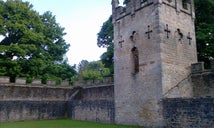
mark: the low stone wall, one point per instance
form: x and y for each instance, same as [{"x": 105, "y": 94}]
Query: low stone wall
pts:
[
  {"x": 189, "y": 113},
  {"x": 93, "y": 104},
  {"x": 96, "y": 93},
  {"x": 97, "y": 111},
  {"x": 203, "y": 84},
  {"x": 34, "y": 103},
  {"x": 32, "y": 110},
  {"x": 10, "y": 92}
]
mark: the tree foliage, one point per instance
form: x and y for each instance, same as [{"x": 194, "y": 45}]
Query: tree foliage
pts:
[
  {"x": 105, "y": 39},
  {"x": 31, "y": 45},
  {"x": 204, "y": 10},
  {"x": 93, "y": 70},
  {"x": 105, "y": 36}
]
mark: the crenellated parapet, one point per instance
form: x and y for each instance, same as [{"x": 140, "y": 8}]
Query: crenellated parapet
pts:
[{"x": 130, "y": 7}]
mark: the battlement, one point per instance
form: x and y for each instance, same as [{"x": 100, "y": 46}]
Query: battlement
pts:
[
  {"x": 132, "y": 6},
  {"x": 36, "y": 82}
]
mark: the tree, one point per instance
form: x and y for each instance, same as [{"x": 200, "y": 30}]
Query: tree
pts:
[
  {"x": 93, "y": 70},
  {"x": 31, "y": 43},
  {"x": 105, "y": 36},
  {"x": 105, "y": 39},
  {"x": 204, "y": 10},
  {"x": 55, "y": 45}
]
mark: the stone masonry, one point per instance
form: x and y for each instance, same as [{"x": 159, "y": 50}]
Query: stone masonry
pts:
[
  {"x": 154, "y": 48},
  {"x": 155, "y": 52},
  {"x": 22, "y": 102},
  {"x": 189, "y": 112}
]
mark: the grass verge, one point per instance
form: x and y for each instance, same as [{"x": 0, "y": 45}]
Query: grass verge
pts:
[{"x": 62, "y": 123}]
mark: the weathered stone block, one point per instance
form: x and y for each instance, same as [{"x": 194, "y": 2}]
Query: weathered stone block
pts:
[
  {"x": 36, "y": 82},
  {"x": 51, "y": 82},
  {"x": 4, "y": 80},
  {"x": 77, "y": 83},
  {"x": 197, "y": 67},
  {"x": 89, "y": 82},
  {"x": 65, "y": 83},
  {"x": 21, "y": 81},
  {"x": 107, "y": 80},
  {"x": 97, "y": 81}
]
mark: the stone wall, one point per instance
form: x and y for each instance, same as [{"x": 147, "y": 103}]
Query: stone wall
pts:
[
  {"x": 203, "y": 84},
  {"x": 177, "y": 52},
  {"x": 97, "y": 111},
  {"x": 154, "y": 47},
  {"x": 32, "y": 110},
  {"x": 35, "y": 93},
  {"x": 21, "y": 102},
  {"x": 36, "y": 102},
  {"x": 96, "y": 103},
  {"x": 189, "y": 113},
  {"x": 132, "y": 103},
  {"x": 93, "y": 104},
  {"x": 96, "y": 93}
]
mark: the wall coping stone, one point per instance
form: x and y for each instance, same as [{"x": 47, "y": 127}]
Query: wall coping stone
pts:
[
  {"x": 4, "y": 80},
  {"x": 51, "y": 82},
  {"x": 65, "y": 83},
  {"x": 197, "y": 67},
  {"x": 36, "y": 82},
  {"x": 21, "y": 81}
]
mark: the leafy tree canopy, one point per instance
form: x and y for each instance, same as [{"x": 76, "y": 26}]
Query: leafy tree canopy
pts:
[
  {"x": 204, "y": 10},
  {"x": 93, "y": 70},
  {"x": 105, "y": 36},
  {"x": 31, "y": 45},
  {"x": 105, "y": 39}
]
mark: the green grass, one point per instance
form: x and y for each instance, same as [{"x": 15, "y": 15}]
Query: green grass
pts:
[{"x": 63, "y": 123}]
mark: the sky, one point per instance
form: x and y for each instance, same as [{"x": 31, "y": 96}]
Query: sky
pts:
[{"x": 82, "y": 20}]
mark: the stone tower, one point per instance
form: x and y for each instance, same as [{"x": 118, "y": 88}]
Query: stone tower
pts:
[{"x": 154, "y": 49}]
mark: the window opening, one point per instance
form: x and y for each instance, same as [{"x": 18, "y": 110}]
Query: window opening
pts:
[{"x": 135, "y": 56}]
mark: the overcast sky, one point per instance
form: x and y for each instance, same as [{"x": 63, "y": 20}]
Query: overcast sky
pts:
[{"x": 82, "y": 20}]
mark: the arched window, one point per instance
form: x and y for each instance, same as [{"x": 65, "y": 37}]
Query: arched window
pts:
[
  {"x": 135, "y": 58},
  {"x": 184, "y": 4}
]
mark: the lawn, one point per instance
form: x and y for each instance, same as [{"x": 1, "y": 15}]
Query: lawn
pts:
[{"x": 63, "y": 123}]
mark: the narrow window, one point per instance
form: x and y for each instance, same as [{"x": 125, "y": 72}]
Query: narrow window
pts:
[
  {"x": 185, "y": 4},
  {"x": 135, "y": 56}
]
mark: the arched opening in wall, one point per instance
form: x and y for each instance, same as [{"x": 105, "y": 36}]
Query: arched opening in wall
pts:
[
  {"x": 135, "y": 59},
  {"x": 185, "y": 4}
]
